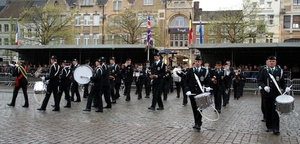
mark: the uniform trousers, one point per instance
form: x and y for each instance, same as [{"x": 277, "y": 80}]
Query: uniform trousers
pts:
[
  {"x": 95, "y": 93},
  {"x": 117, "y": 87},
  {"x": 75, "y": 90},
  {"x": 127, "y": 90},
  {"x": 50, "y": 89},
  {"x": 105, "y": 90},
  {"x": 157, "y": 91},
  {"x": 272, "y": 118},
  {"x": 112, "y": 90},
  {"x": 196, "y": 113},
  {"x": 15, "y": 94},
  {"x": 218, "y": 98},
  {"x": 66, "y": 90}
]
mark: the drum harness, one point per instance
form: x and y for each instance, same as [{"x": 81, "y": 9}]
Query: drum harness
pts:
[{"x": 199, "y": 109}]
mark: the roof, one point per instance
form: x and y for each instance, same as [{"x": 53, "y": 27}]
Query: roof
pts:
[
  {"x": 215, "y": 15},
  {"x": 1, "y": 8},
  {"x": 71, "y": 2},
  {"x": 102, "y": 2},
  {"x": 3, "y": 2},
  {"x": 14, "y": 9},
  {"x": 105, "y": 46},
  {"x": 40, "y": 2},
  {"x": 247, "y": 45}
]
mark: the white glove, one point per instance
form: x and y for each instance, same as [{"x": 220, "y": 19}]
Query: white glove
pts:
[
  {"x": 16, "y": 65},
  {"x": 267, "y": 89},
  {"x": 188, "y": 93},
  {"x": 287, "y": 89},
  {"x": 207, "y": 89},
  {"x": 43, "y": 78},
  {"x": 259, "y": 88}
]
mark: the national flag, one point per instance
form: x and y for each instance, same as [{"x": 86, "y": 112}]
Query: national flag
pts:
[
  {"x": 17, "y": 34},
  {"x": 200, "y": 31},
  {"x": 190, "y": 38},
  {"x": 149, "y": 35}
]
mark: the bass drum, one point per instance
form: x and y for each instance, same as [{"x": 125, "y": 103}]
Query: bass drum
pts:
[{"x": 82, "y": 74}]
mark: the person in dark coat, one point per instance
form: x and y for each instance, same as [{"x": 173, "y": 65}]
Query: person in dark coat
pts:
[
  {"x": 65, "y": 82},
  {"x": 238, "y": 80},
  {"x": 167, "y": 82},
  {"x": 114, "y": 73},
  {"x": 147, "y": 69},
  {"x": 140, "y": 77},
  {"x": 74, "y": 88},
  {"x": 52, "y": 85},
  {"x": 268, "y": 78},
  {"x": 86, "y": 86},
  {"x": 105, "y": 83},
  {"x": 19, "y": 71},
  {"x": 127, "y": 71}
]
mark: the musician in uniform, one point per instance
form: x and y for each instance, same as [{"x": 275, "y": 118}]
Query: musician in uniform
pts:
[
  {"x": 238, "y": 80},
  {"x": 74, "y": 88},
  {"x": 182, "y": 74},
  {"x": 52, "y": 85},
  {"x": 105, "y": 83},
  {"x": 195, "y": 76},
  {"x": 65, "y": 83},
  {"x": 140, "y": 76},
  {"x": 127, "y": 72},
  {"x": 157, "y": 73},
  {"x": 226, "y": 96},
  {"x": 262, "y": 91},
  {"x": 166, "y": 82},
  {"x": 114, "y": 72},
  {"x": 147, "y": 69},
  {"x": 219, "y": 84},
  {"x": 96, "y": 80},
  {"x": 86, "y": 86},
  {"x": 271, "y": 80},
  {"x": 21, "y": 82}
]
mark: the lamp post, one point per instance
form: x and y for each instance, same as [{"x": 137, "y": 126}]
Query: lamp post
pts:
[{"x": 103, "y": 18}]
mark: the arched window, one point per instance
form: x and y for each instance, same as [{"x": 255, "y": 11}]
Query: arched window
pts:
[{"x": 179, "y": 21}]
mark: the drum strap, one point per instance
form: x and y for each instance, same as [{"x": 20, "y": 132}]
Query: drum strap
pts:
[
  {"x": 275, "y": 82},
  {"x": 197, "y": 79}
]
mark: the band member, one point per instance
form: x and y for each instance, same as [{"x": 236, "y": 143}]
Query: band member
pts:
[
  {"x": 271, "y": 80},
  {"x": 74, "y": 88},
  {"x": 192, "y": 86},
  {"x": 118, "y": 81},
  {"x": 21, "y": 82},
  {"x": 219, "y": 84},
  {"x": 114, "y": 72},
  {"x": 157, "y": 73},
  {"x": 147, "y": 69},
  {"x": 65, "y": 83},
  {"x": 182, "y": 74},
  {"x": 226, "y": 96},
  {"x": 166, "y": 82},
  {"x": 262, "y": 91},
  {"x": 96, "y": 80},
  {"x": 177, "y": 80},
  {"x": 127, "y": 72},
  {"x": 105, "y": 82},
  {"x": 52, "y": 85},
  {"x": 86, "y": 86},
  {"x": 238, "y": 80},
  {"x": 140, "y": 76}
]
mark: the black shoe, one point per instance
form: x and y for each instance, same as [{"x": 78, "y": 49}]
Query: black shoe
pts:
[
  {"x": 263, "y": 120},
  {"x": 160, "y": 108},
  {"x": 25, "y": 106},
  {"x": 11, "y": 105},
  {"x": 151, "y": 108},
  {"x": 198, "y": 127},
  {"x": 53, "y": 105},
  {"x": 276, "y": 132},
  {"x": 269, "y": 130},
  {"x": 139, "y": 98},
  {"x": 114, "y": 101},
  {"x": 107, "y": 107},
  {"x": 147, "y": 96},
  {"x": 41, "y": 109},
  {"x": 178, "y": 96},
  {"x": 165, "y": 99},
  {"x": 55, "y": 110},
  {"x": 184, "y": 104},
  {"x": 77, "y": 101},
  {"x": 224, "y": 105},
  {"x": 219, "y": 111},
  {"x": 87, "y": 110},
  {"x": 67, "y": 106},
  {"x": 84, "y": 96},
  {"x": 127, "y": 99},
  {"x": 99, "y": 111}
]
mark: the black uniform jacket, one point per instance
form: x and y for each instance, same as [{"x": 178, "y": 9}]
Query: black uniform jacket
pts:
[
  {"x": 114, "y": 70},
  {"x": 97, "y": 77},
  {"x": 159, "y": 70},
  {"x": 128, "y": 73},
  {"x": 65, "y": 76},
  {"x": 53, "y": 75},
  {"x": 223, "y": 82},
  {"x": 191, "y": 83},
  {"x": 17, "y": 72},
  {"x": 141, "y": 78}
]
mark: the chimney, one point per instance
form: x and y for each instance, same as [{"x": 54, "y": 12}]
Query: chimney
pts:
[{"x": 196, "y": 5}]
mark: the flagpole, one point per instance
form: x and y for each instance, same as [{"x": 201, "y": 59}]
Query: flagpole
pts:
[{"x": 148, "y": 47}]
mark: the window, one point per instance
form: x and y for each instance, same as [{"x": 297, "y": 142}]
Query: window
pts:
[
  {"x": 296, "y": 1},
  {"x": 109, "y": 39},
  {"x": 36, "y": 32},
  {"x": 269, "y": 38},
  {"x": 86, "y": 39},
  {"x": 270, "y": 19},
  {"x": 269, "y": 4},
  {"x": 21, "y": 33},
  {"x": 261, "y": 18},
  {"x": 61, "y": 41},
  {"x": 198, "y": 29},
  {"x": 143, "y": 20},
  {"x": 117, "y": 22},
  {"x": 29, "y": 33},
  {"x": 95, "y": 39},
  {"x": 198, "y": 40},
  {"x": 6, "y": 41},
  {"x": 176, "y": 4},
  {"x": 212, "y": 30},
  {"x": 6, "y": 27},
  {"x": 211, "y": 40},
  {"x": 77, "y": 20},
  {"x": 161, "y": 15},
  {"x": 77, "y": 39},
  {"x": 252, "y": 40},
  {"x": 179, "y": 21},
  {"x": 117, "y": 39},
  {"x": 86, "y": 20},
  {"x": 87, "y": 2},
  {"x": 63, "y": 19},
  {"x": 225, "y": 40},
  {"x": 224, "y": 30},
  {"x": 178, "y": 40},
  {"x": 287, "y": 21},
  {"x": 182, "y": 4},
  {"x": 117, "y": 5},
  {"x": 110, "y": 22},
  {"x": 148, "y": 2},
  {"x": 96, "y": 20},
  {"x": 0, "y": 41},
  {"x": 252, "y": 19},
  {"x": 261, "y": 2},
  {"x": 296, "y": 21}
]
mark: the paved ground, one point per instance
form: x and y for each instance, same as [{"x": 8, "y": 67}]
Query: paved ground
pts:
[{"x": 131, "y": 122}]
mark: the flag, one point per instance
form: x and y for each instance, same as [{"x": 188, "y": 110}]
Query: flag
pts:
[
  {"x": 17, "y": 34},
  {"x": 149, "y": 35},
  {"x": 200, "y": 31},
  {"x": 190, "y": 39}
]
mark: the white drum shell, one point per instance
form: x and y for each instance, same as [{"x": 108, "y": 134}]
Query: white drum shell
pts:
[
  {"x": 285, "y": 104},
  {"x": 82, "y": 74},
  {"x": 39, "y": 87},
  {"x": 203, "y": 100}
]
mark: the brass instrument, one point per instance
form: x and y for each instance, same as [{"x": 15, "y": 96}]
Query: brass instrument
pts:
[
  {"x": 111, "y": 77},
  {"x": 214, "y": 80},
  {"x": 237, "y": 78}
]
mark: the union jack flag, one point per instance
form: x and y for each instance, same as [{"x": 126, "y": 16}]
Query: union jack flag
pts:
[{"x": 149, "y": 35}]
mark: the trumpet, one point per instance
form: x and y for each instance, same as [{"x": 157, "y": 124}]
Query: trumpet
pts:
[{"x": 214, "y": 80}]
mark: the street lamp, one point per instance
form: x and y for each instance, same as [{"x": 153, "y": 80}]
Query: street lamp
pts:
[{"x": 103, "y": 18}]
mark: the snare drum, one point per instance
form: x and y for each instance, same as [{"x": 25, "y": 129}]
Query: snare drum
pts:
[
  {"x": 203, "y": 100},
  {"x": 39, "y": 87},
  {"x": 285, "y": 104}
]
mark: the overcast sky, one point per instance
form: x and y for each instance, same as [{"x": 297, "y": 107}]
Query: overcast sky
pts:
[{"x": 211, "y": 5}]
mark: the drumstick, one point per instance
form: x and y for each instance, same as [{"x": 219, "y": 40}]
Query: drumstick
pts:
[
  {"x": 289, "y": 87},
  {"x": 84, "y": 77}
]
